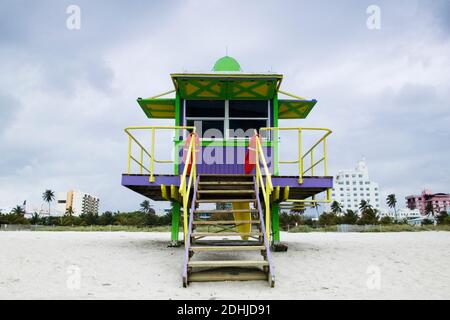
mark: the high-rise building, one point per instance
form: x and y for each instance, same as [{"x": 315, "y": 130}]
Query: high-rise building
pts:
[
  {"x": 352, "y": 186},
  {"x": 439, "y": 201},
  {"x": 80, "y": 202}
]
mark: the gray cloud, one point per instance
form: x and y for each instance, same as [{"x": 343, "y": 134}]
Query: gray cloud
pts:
[{"x": 384, "y": 93}]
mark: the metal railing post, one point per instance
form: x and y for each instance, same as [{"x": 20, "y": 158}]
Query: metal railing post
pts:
[
  {"x": 325, "y": 164},
  {"x": 300, "y": 157},
  {"x": 141, "y": 160},
  {"x": 152, "y": 158},
  {"x": 267, "y": 202},
  {"x": 129, "y": 154}
]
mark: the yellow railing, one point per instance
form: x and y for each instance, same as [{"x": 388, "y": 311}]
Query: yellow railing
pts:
[
  {"x": 266, "y": 187},
  {"x": 150, "y": 166},
  {"x": 185, "y": 189},
  {"x": 310, "y": 153}
]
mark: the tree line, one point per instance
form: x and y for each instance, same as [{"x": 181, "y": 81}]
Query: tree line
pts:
[
  {"x": 144, "y": 217},
  {"x": 369, "y": 215}
]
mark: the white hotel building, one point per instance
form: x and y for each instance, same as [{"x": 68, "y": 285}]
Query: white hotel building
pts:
[
  {"x": 80, "y": 202},
  {"x": 352, "y": 186}
]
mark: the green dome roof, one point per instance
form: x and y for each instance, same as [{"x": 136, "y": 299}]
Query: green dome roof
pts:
[{"x": 227, "y": 64}]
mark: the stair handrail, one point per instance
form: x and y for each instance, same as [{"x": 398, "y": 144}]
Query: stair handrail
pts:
[
  {"x": 268, "y": 186},
  {"x": 188, "y": 241},
  {"x": 265, "y": 235},
  {"x": 185, "y": 189}
]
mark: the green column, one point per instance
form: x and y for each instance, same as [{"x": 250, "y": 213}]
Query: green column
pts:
[
  {"x": 276, "y": 221},
  {"x": 275, "y": 135},
  {"x": 175, "y": 221},
  {"x": 177, "y": 136}
]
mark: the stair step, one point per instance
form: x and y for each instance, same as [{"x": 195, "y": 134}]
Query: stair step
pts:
[
  {"x": 207, "y": 183},
  {"x": 226, "y": 248},
  {"x": 227, "y": 274},
  {"x": 223, "y": 200},
  {"x": 228, "y": 263},
  {"x": 227, "y": 211},
  {"x": 208, "y": 175},
  {"x": 226, "y": 222},
  {"x": 225, "y": 234},
  {"x": 226, "y": 191}
]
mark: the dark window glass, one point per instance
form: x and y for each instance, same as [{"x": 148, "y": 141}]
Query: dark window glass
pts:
[
  {"x": 61, "y": 201},
  {"x": 245, "y": 128},
  {"x": 248, "y": 109},
  {"x": 202, "y": 126},
  {"x": 205, "y": 108}
]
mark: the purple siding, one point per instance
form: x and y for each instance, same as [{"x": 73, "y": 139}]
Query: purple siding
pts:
[
  {"x": 308, "y": 182},
  {"x": 224, "y": 160}
]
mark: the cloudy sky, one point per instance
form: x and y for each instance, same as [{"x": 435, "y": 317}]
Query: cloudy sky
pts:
[{"x": 66, "y": 95}]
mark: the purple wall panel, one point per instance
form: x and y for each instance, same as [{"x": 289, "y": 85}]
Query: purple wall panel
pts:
[{"x": 223, "y": 160}]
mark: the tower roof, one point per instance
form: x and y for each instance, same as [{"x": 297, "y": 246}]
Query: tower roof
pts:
[{"x": 227, "y": 63}]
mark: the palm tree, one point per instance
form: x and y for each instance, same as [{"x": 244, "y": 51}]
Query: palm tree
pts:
[
  {"x": 364, "y": 206},
  {"x": 391, "y": 201},
  {"x": 69, "y": 211},
  {"x": 48, "y": 196},
  {"x": 18, "y": 210},
  {"x": 146, "y": 207},
  {"x": 336, "y": 207},
  {"x": 34, "y": 218},
  {"x": 429, "y": 210},
  {"x": 298, "y": 209}
]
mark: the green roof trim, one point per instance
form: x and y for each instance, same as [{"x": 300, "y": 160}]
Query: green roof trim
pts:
[
  {"x": 226, "y": 63},
  {"x": 158, "y": 108},
  {"x": 295, "y": 109},
  {"x": 227, "y": 86}
]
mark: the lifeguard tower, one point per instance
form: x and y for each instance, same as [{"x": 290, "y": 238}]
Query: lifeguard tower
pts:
[{"x": 226, "y": 186}]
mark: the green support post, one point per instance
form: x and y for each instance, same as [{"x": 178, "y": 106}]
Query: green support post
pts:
[
  {"x": 276, "y": 222},
  {"x": 175, "y": 222},
  {"x": 177, "y": 136},
  {"x": 275, "y": 135}
]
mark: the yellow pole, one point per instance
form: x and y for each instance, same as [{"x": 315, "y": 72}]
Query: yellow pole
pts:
[
  {"x": 129, "y": 154},
  {"x": 185, "y": 218},
  {"x": 194, "y": 161},
  {"x": 142, "y": 159},
  {"x": 325, "y": 165},
  {"x": 152, "y": 159},
  {"x": 258, "y": 169},
  {"x": 267, "y": 199},
  {"x": 300, "y": 157},
  {"x": 312, "y": 162}
]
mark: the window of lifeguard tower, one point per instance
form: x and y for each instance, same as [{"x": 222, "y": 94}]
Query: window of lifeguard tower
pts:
[{"x": 227, "y": 119}]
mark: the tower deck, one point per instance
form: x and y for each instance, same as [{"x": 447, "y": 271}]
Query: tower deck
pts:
[{"x": 311, "y": 185}]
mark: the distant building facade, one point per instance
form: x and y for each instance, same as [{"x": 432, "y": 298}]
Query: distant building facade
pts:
[
  {"x": 80, "y": 202},
  {"x": 352, "y": 186},
  {"x": 439, "y": 201},
  {"x": 404, "y": 213}
]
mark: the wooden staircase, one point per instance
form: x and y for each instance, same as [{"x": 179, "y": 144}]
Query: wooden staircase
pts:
[{"x": 217, "y": 248}]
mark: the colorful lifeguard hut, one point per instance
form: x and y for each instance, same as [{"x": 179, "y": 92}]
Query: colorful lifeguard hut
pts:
[{"x": 226, "y": 187}]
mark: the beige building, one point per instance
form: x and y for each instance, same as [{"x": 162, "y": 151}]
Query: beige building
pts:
[{"x": 80, "y": 202}]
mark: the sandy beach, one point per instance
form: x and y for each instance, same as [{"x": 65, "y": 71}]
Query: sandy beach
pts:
[{"x": 127, "y": 265}]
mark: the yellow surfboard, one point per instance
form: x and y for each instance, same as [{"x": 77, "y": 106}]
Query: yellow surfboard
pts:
[{"x": 242, "y": 216}]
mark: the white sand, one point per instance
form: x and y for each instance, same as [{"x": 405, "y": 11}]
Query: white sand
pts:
[{"x": 140, "y": 266}]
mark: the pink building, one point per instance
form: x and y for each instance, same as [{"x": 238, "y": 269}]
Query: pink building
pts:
[{"x": 440, "y": 201}]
